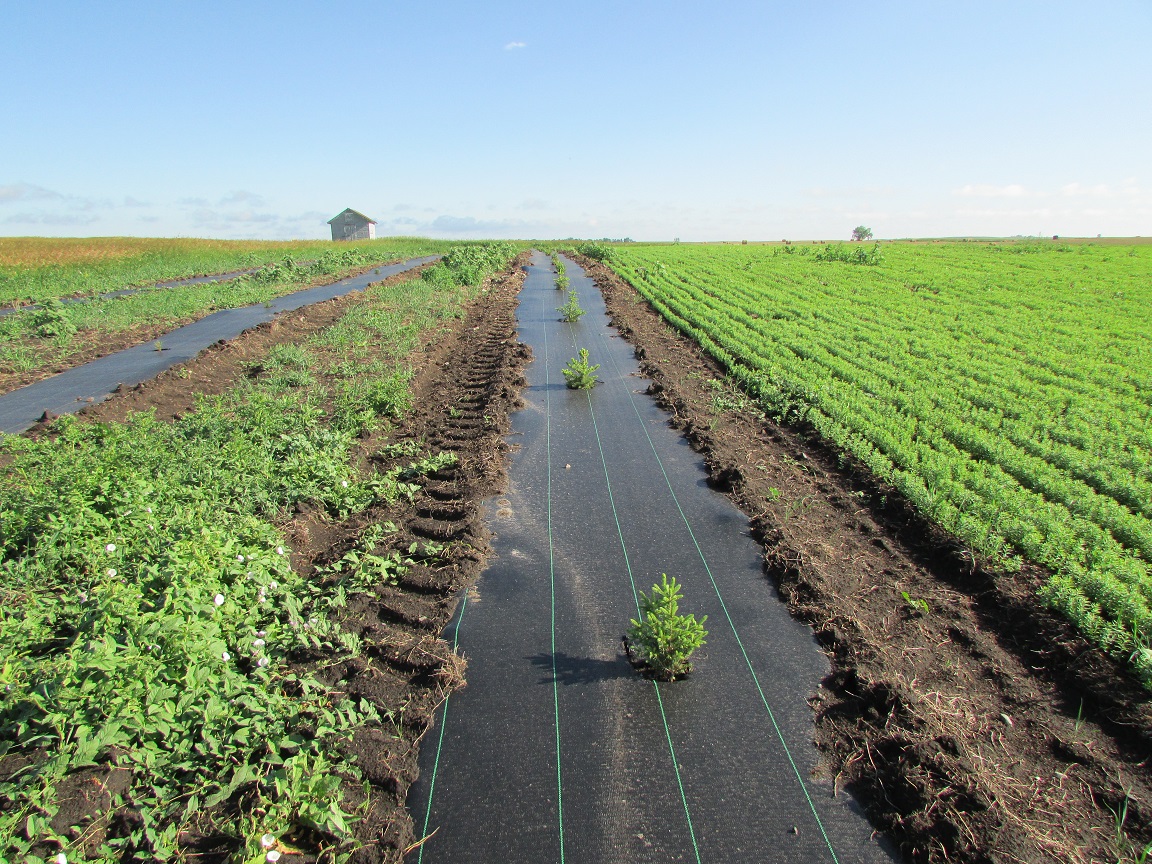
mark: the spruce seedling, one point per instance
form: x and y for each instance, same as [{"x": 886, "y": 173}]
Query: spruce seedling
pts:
[
  {"x": 578, "y": 374},
  {"x": 666, "y": 638},
  {"x": 571, "y": 310}
]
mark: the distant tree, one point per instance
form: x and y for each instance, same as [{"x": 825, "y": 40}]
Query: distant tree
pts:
[{"x": 861, "y": 232}]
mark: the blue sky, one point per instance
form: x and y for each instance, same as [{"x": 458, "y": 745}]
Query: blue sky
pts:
[{"x": 651, "y": 119}]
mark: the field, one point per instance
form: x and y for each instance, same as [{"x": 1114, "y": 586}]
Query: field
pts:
[
  {"x": 221, "y": 594},
  {"x": 1002, "y": 388},
  {"x": 175, "y": 578},
  {"x": 43, "y": 336}
]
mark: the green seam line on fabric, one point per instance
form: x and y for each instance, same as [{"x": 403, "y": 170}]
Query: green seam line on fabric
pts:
[
  {"x": 636, "y": 600},
  {"x": 440, "y": 739},
  {"x": 552, "y": 574},
  {"x": 731, "y": 623}
]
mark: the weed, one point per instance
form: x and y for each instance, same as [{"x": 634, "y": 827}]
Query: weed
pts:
[
  {"x": 51, "y": 321},
  {"x": 578, "y": 374},
  {"x": 666, "y": 638},
  {"x": 916, "y": 604},
  {"x": 595, "y": 250}
]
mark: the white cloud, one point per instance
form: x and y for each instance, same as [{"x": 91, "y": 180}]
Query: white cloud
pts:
[
  {"x": 242, "y": 197},
  {"x": 985, "y": 190},
  {"x": 512, "y": 46},
  {"x": 218, "y": 219},
  {"x": 43, "y": 218},
  {"x": 26, "y": 192}
]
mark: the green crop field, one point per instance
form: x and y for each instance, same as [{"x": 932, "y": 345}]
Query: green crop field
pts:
[{"x": 1004, "y": 388}]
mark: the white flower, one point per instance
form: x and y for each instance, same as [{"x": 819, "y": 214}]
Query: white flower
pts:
[
  {"x": 279, "y": 550},
  {"x": 250, "y": 557},
  {"x": 262, "y": 662},
  {"x": 148, "y": 509},
  {"x": 273, "y": 584},
  {"x": 240, "y": 558},
  {"x": 111, "y": 571},
  {"x": 261, "y": 633},
  {"x": 61, "y": 858},
  {"x": 111, "y": 547},
  {"x": 224, "y": 655},
  {"x": 256, "y": 643},
  {"x": 218, "y": 599},
  {"x": 272, "y": 856},
  {"x": 344, "y": 483},
  {"x": 267, "y": 841}
]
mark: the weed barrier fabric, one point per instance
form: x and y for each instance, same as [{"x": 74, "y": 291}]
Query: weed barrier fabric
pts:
[
  {"x": 72, "y": 390},
  {"x": 556, "y": 750}
]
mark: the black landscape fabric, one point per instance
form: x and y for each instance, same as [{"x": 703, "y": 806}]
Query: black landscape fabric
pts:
[
  {"x": 94, "y": 382},
  {"x": 557, "y": 750}
]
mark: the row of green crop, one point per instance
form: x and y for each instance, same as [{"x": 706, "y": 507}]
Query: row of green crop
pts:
[
  {"x": 1007, "y": 397},
  {"x": 151, "y": 626}
]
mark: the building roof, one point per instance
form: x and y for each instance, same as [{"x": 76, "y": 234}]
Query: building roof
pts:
[{"x": 350, "y": 210}]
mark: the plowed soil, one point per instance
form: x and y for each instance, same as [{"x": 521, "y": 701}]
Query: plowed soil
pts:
[{"x": 973, "y": 724}]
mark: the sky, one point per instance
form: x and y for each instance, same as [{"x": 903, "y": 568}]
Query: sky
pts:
[{"x": 649, "y": 119}]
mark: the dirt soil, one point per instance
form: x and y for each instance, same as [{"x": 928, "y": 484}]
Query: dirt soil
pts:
[
  {"x": 972, "y": 724},
  {"x": 468, "y": 380}
]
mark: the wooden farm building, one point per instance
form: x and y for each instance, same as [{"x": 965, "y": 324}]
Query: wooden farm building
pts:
[{"x": 352, "y": 225}]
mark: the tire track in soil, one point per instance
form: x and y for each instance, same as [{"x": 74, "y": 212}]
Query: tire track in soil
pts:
[
  {"x": 985, "y": 730},
  {"x": 463, "y": 397}
]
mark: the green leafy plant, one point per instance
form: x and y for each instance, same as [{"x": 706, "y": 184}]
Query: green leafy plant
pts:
[
  {"x": 916, "y": 604},
  {"x": 571, "y": 311},
  {"x": 853, "y": 255},
  {"x": 51, "y": 321},
  {"x": 666, "y": 638},
  {"x": 595, "y": 250},
  {"x": 578, "y": 374}
]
